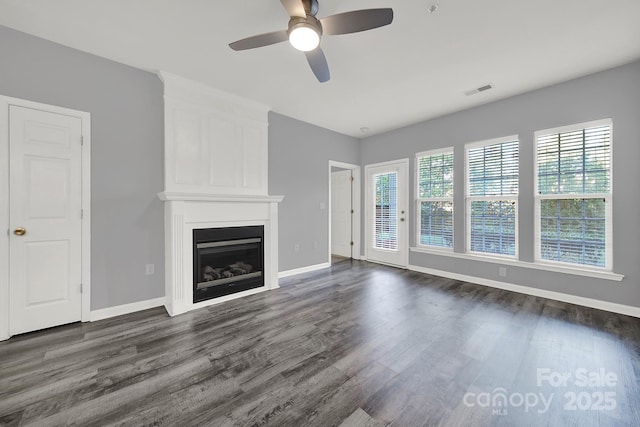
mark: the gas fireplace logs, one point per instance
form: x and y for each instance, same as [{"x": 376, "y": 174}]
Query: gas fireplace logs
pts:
[{"x": 238, "y": 268}]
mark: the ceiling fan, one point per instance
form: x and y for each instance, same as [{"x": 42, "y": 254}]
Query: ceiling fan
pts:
[{"x": 305, "y": 30}]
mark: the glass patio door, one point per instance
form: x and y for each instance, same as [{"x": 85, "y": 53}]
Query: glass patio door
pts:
[{"x": 387, "y": 213}]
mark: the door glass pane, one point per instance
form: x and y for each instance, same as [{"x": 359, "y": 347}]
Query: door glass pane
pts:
[{"x": 385, "y": 233}]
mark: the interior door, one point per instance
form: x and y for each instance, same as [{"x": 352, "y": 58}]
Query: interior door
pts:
[
  {"x": 45, "y": 216},
  {"x": 341, "y": 213},
  {"x": 387, "y": 213}
]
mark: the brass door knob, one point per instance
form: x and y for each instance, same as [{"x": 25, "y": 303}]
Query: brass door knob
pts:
[{"x": 19, "y": 231}]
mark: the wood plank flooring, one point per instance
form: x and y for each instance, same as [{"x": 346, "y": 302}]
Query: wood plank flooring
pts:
[{"x": 355, "y": 345}]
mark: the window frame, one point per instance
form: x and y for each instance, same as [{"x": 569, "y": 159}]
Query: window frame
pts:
[
  {"x": 608, "y": 198},
  {"x": 419, "y": 200},
  {"x": 469, "y": 199}
]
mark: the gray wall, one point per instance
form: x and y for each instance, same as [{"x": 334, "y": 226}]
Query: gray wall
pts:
[
  {"x": 127, "y": 141},
  {"x": 611, "y": 94},
  {"x": 299, "y": 155},
  {"x": 127, "y": 148}
]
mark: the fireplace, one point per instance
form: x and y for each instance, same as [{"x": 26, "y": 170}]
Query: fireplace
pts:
[
  {"x": 221, "y": 224},
  {"x": 227, "y": 260}
]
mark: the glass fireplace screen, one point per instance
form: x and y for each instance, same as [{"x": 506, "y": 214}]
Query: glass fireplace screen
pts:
[{"x": 227, "y": 260}]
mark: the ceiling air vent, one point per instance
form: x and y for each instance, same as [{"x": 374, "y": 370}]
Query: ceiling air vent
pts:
[{"x": 479, "y": 89}]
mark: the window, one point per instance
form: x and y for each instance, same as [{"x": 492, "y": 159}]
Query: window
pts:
[
  {"x": 434, "y": 171},
  {"x": 573, "y": 194},
  {"x": 492, "y": 196}
]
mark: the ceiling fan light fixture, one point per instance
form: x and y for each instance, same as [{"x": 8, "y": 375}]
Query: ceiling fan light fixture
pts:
[
  {"x": 305, "y": 31},
  {"x": 304, "y": 37}
]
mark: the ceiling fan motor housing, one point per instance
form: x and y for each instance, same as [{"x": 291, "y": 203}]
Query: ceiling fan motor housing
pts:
[{"x": 307, "y": 21}]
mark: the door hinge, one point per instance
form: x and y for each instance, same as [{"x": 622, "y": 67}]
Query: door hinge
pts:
[
  {"x": 81, "y": 288},
  {"x": 81, "y": 139},
  {"x": 352, "y": 212},
  {"x": 351, "y": 243},
  {"x": 351, "y": 178},
  {"x": 81, "y": 213}
]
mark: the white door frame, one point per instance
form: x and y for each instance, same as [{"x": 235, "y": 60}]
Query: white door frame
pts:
[
  {"x": 355, "y": 194},
  {"x": 367, "y": 219},
  {"x": 5, "y": 103}
]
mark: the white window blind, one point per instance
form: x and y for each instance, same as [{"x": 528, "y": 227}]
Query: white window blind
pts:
[
  {"x": 573, "y": 223},
  {"x": 492, "y": 196},
  {"x": 385, "y": 232},
  {"x": 434, "y": 171}
]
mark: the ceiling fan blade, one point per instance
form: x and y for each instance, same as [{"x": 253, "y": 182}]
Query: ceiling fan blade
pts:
[
  {"x": 356, "y": 21},
  {"x": 318, "y": 63},
  {"x": 260, "y": 40},
  {"x": 294, "y": 7}
]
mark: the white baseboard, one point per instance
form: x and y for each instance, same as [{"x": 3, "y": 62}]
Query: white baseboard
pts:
[
  {"x": 119, "y": 310},
  {"x": 558, "y": 296},
  {"x": 301, "y": 270}
]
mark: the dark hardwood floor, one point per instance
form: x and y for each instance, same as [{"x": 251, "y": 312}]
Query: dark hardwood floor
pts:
[{"x": 355, "y": 345}]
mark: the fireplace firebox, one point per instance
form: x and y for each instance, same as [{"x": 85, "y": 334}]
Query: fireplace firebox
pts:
[{"x": 227, "y": 260}]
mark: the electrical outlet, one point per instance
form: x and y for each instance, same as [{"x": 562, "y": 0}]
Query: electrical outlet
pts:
[
  {"x": 151, "y": 268},
  {"x": 502, "y": 271}
]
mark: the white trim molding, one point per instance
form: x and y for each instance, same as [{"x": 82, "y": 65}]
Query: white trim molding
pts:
[
  {"x": 86, "y": 216},
  {"x": 356, "y": 197},
  {"x": 85, "y": 117},
  {"x": 167, "y": 196},
  {"x": 527, "y": 290},
  {"x": 301, "y": 270},
  {"x": 119, "y": 310}
]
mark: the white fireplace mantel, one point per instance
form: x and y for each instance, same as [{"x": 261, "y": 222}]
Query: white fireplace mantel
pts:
[
  {"x": 216, "y": 164},
  {"x": 168, "y": 196},
  {"x": 191, "y": 212}
]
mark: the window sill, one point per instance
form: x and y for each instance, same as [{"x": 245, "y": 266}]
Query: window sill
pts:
[{"x": 606, "y": 275}]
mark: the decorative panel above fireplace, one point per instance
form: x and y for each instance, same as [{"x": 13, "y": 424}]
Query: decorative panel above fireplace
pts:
[{"x": 215, "y": 143}]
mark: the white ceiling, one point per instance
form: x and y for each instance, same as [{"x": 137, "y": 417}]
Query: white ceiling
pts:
[{"x": 417, "y": 68}]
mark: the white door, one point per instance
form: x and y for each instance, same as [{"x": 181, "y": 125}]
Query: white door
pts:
[
  {"x": 341, "y": 213},
  {"x": 387, "y": 213},
  {"x": 45, "y": 218}
]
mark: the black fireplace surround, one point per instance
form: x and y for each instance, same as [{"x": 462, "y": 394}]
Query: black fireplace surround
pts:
[{"x": 227, "y": 260}]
